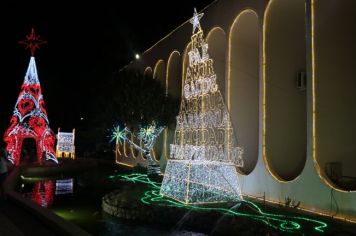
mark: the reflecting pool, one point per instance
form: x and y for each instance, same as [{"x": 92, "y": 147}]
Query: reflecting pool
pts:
[{"x": 78, "y": 199}]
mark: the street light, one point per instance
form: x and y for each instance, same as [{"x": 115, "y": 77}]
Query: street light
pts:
[{"x": 137, "y": 56}]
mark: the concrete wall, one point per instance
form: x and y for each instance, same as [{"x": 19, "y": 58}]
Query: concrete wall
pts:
[
  {"x": 335, "y": 81},
  {"x": 243, "y": 84},
  {"x": 174, "y": 88},
  {"x": 148, "y": 72},
  {"x": 174, "y": 75},
  {"x": 291, "y": 134},
  {"x": 216, "y": 39},
  {"x": 285, "y": 105},
  {"x": 159, "y": 73}
]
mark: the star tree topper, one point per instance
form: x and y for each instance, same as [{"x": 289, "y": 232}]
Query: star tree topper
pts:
[
  {"x": 195, "y": 20},
  {"x": 33, "y": 41}
]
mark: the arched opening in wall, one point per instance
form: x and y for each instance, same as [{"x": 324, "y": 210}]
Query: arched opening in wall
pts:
[
  {"x": 174, "y": 75},
  {"x": 334, "y": 91},
  {"x": 148, "y": 72},
  {"x": 174, "y": 82},
  {"x": 185, "y": 63},
  {"x": 284, "y": 89},
  {"x": 216, "y": 40},
  {"x": 243, "y": 85},
  {"x": 159, "y": 74},
  {"x": 29, "y": 151}
]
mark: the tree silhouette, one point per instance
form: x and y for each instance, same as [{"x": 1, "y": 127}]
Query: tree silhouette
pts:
[{"x": 137, "y": 102}]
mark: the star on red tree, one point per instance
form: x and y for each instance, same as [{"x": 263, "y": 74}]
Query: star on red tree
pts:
[{"x": 33, "y": 42}]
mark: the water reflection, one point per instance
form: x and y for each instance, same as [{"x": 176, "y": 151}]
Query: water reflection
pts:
[
  {"x": 64, "y": 186},
  {"x": 43, "y": 192},
  {"x": 114, "y": 227}
]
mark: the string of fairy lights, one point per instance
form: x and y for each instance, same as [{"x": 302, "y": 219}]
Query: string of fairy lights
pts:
[
  {"x": 29, "y": 119},
  {"x": 204, "y": 155},
  {"x": 147, "y": 135},
  {"x": 283, "y": 222}
]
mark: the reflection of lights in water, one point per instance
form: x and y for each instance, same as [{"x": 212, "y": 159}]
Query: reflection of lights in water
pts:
[
  {"x": 43, "y": 193},
  {"x": 64, "y": 186},
  {"x": 282, "y": 222},
  {"x": 113, "y": 227}
]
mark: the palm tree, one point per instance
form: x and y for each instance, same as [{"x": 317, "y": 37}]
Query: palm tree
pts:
[{"x": 139, "y": 104}]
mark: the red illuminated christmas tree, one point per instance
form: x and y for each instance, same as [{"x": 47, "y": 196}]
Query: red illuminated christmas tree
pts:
[{"x": 29, "y": 118}]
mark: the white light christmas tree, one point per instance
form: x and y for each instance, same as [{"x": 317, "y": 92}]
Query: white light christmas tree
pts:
[{"x": 205, "y": 155}]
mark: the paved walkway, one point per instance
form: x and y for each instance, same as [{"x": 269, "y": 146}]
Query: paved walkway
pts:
[
  {"x": 16, "y": 221},
  {"x": 8, "y": 228}
]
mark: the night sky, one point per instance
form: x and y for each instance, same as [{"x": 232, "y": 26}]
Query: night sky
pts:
[{"x": 86, "y": 44}]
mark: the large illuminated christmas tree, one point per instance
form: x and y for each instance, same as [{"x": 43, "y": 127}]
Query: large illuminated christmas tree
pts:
[
  {"x": 29, "y": 119},
  {"x": 205, "y": 155}
]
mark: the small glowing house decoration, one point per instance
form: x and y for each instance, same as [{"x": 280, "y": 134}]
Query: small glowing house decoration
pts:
[
  {"x": 65, "y": 144},
  {"x": 29, "y": 119},
  {"x": 205, "y": 155}
]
